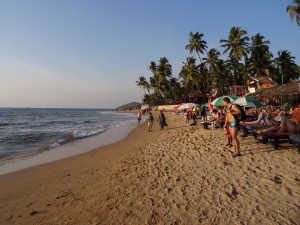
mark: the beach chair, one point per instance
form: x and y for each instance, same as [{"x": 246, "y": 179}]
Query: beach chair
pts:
[
  {"x": 280, "y": 136},
  {"x": 295, "y": 138}
]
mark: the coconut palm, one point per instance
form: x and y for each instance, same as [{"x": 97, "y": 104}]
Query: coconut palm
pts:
[
  {"x": 237, "y": 46},
  {"x": 190, "y": 75},
  {"x": 196, "y": 44},
  {"x": 220, "y": 76},
  {"x": 294, "y": 11},
  {"x": 212, "y": 57},
  {"x": 258, "y": 44},
  {"x": 142, "y": 83},
  {"x": 286, "y": 67},
  {"x": 260, "y": 56},
  {"x": 163, "y": 72}
]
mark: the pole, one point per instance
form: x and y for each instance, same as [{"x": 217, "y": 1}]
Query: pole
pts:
[{"x": 281, "y": 91}]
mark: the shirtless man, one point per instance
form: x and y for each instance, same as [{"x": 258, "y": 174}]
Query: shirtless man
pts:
[{"x": 232, "y": 111}]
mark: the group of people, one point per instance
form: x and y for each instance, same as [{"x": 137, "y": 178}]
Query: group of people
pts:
[
  {"x": 230, "y": 117},
  {"x": 193, "y": 114},
  {"x": 161, "y": 120}
]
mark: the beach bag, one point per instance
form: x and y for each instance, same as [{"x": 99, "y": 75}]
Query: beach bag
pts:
[{"x": 242, "y": 116}]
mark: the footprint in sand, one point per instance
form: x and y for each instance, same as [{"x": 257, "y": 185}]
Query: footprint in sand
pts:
[{"x": 277, "y": 180}]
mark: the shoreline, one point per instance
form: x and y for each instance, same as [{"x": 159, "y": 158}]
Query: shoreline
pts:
[
  {"x": 77, "y": 147},
  {"x": 182, "y": 175}
]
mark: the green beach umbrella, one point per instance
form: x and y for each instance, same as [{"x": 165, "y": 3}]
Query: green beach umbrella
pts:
[
  {"x": 248, "y": 102},
  {"x": 219, "y": 101}
]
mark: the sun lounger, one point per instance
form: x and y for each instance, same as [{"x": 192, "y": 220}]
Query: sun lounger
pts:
[
  {"x": 295, "y": 138},
  {"x": 253, "y": 129},
  {"x": 276, "y": 137},
  {"x": 250, "y": 128},
  {"x": 283, "y": 135}
]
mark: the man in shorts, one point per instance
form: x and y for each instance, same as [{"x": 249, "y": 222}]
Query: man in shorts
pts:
[{"x": 232, "y": 111}]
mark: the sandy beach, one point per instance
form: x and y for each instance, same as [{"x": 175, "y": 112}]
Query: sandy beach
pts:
[{"x": 181, "y": 175}]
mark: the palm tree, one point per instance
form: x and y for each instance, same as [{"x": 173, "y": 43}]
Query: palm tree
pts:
[
  {"x": 220, "y": 76},
  {"x": 142, "y": 83},
  {"x": 190, "y": 75},
  {"x": 212, "y": 57},
  {"x": 152, "y": 67},
  {"x": 260, "y": 56},
  {"x": 294, "y": 11},
  {"x": 196, "y": 44},
  {"x": 237, "y": 46},
  {"x": 286, "y": 67},
  {"x": 258, "y": 44},
  {"x": 163, "y": 73}
]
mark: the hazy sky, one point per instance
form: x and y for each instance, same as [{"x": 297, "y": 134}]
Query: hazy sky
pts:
[{"x": 89, "y": 53}]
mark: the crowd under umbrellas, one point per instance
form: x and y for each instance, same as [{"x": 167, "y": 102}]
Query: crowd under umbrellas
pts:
[
  {"x": 231, "y": 113},
  {"x": 216, "y": 115}
]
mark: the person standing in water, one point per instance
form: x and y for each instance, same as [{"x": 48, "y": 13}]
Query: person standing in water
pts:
[
  {"x": 162, "y": 120},
  {"x": 232, "y": 111}
]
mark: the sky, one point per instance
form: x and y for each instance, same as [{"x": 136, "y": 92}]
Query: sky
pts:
[{"x": 89, "y": 53}]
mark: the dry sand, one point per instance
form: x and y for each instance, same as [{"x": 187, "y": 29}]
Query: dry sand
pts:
[{"x": 182, "y": 175}]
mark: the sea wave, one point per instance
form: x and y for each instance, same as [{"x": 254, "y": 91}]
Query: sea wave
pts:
[{"x": 26, "y": 132}]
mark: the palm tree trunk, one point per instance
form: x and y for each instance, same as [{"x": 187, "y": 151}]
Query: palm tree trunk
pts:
[{"x": 199, "y": 57}]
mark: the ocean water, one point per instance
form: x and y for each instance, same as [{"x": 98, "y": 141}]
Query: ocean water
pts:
[{"x": 27, "y": 132}]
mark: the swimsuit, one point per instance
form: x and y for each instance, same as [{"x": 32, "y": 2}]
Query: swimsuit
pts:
[{"x": 233, "y": 124}]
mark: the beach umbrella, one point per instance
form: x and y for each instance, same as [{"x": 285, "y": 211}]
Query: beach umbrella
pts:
[
  {"x": 177, "y": 106},
  {"x": 187, "y": 106},
  {"x": 205, "y": 105},
  {"x": 248, "y": 102},
  {"x": 218, "y": 101}
]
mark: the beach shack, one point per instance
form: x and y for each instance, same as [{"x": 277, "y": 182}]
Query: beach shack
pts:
[
  {"x": 237, "y": 90},
  {"x": 288, "y": 93},
  {"x": 257, "y": 83}
]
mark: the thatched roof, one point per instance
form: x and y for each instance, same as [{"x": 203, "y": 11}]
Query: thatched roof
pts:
[
  {"x": 285, "y": 89},
  {"x": 264, "y": 80}
]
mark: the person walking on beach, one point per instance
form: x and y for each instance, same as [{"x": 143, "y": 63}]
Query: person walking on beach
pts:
[
  {"x": 232, "y": 112},
  {"x": 162, "y": 120},
  {"x": 150, "y": 122},
  {"x": 139, "y": 116}
]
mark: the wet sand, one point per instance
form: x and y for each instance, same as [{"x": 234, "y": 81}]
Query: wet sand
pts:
[{"x": 182, "y": 175}]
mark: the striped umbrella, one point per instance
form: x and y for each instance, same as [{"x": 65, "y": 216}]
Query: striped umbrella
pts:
[{"x": 219, "y": 101}]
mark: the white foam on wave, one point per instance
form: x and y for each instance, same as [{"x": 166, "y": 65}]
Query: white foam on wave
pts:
[{"x": 62, "y": 151}]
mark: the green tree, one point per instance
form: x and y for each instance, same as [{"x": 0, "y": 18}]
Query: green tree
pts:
[
  {"x": 190, "y": 75},
  {"x": 142, "y": 83},
  {"x": 237, "y": 46},
  {"x": 219, "y": 76},
  {"x": 294, "y": 11},
  {"x": 286, "y": 68},
  {"x": 196, "y": 44},
  {"x": 260, "y": 56},
  {"x": 160, "y": 81},
  {"x": 212, "y": 57}
]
